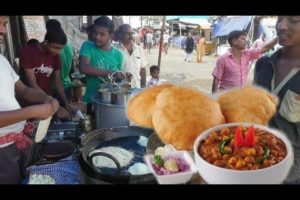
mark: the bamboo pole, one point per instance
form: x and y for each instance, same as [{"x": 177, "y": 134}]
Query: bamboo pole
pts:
[{"x": 161, "y": 40}]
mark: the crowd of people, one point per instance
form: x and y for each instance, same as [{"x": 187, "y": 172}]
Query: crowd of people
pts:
[{"x": 43, "y": 86}]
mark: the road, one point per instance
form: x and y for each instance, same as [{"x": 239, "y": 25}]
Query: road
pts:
[{"x": 175, "y": 69}]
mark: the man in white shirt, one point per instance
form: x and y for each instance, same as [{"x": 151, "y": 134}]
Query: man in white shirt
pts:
[
  {"x": 149, "y": 41},
  {"x": 135, "y": 60},
  {"x": 13, "y": 141},
  {"x": 166, "y": 42}
]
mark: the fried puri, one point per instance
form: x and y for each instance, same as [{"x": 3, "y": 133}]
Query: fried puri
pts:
[
  {"x": 182, "y": 114},
  {"x": 141, "y": 106},
  {"x": 248, "y": 104}
]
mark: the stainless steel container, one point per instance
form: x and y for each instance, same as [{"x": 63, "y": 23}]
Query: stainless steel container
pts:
[
  {"x": 108, "y": 115},
  {"x": 120, "y": 98},
  {"x": 104, "y": 95}
]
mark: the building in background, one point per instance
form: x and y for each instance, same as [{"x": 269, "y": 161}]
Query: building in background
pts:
[{"x": 23, "y": 28}]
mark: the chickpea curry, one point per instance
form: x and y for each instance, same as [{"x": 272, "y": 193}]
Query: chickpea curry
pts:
[{"x": 242, "y": 148}]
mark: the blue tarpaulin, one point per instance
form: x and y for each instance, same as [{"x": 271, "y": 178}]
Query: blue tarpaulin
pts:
[{"x": 224, "y": 27}]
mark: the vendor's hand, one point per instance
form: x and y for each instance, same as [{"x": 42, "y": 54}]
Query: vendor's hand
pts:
[
  {"x": 128, "y": 77},
  {"x": 63, "y": 113},
  {"x": 119, "y": 76},
  {"x": 46, "y": 110},
  {"x": 54, "y": 104},
  {"x": 70, "y": 109},
  {"x": 74, "y": 110}
]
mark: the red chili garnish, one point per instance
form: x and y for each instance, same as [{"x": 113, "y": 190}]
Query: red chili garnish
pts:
[
  {"x": 249, "y": 140},
  {"x": 250, "y": 136}
]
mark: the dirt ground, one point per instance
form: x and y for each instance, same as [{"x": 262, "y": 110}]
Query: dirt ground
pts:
[{"x": 175, "y": 69}]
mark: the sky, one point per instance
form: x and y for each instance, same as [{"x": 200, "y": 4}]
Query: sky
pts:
[
  {"x": 135, "y": 21},
  {"x": 187, "y": 17}
]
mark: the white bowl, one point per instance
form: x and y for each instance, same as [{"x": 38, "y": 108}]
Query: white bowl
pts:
[
  {"x": 271, "y": 175},
  {"x": 178, "y": 178}
]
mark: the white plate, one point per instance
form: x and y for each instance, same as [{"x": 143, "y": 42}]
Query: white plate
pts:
[{"x": 42, "y": 129}]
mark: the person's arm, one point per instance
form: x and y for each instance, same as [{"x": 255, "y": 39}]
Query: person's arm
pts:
[
  {"x": 30, "y": 77},
  {"x": 125, "y": 67},
  {"x": 143, "y": 72},
  {"x": 215, "y": 85},
  {"x": 38, "y": 96},
  {"x": 120, "y": 67},
  {"x": 255, "y": 44},
  {"x": 31, "y": 94},
  {"x": 41, "y": 111},
  {"x": 86, "y": 68},
  {"x": 60, "y": 88},
  {"x": 63, "y": 112},
  {"x": 218, "y": 73},
  {"x": 269, "y": 46},
  {"x": 143, "y": 77}
]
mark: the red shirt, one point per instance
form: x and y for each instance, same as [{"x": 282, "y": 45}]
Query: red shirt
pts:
[
  {"x": 43, "y": 65},
  {"x": 230, "y": 72}
]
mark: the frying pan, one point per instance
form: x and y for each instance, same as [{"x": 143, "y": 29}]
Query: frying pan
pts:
[
  {"x": 47, "y": 153},
  {"x": 153, "y": 143},
  {"x": 97, "y": 139},
  {"x": 58, "y": 150}
]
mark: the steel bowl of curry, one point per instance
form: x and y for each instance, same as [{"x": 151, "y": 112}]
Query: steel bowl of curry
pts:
[{"x": 243, "y": 153}]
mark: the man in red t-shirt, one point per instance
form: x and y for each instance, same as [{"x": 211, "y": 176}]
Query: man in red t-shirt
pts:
[{"x": 40, "y": 63}]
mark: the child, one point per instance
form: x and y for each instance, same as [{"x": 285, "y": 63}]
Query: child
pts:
[{"x": 154, "y": 71}]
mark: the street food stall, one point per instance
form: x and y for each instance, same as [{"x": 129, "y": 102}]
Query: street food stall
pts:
[{"x": 216, "y": 144}]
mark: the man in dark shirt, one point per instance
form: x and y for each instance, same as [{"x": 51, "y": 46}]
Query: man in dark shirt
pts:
[
  {"x": 280, "y": 74},
  {"x": 40, "y": 63}
]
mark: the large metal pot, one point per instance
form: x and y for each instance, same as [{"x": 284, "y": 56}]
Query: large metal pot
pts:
[
  {"x": 90, "y": 142},
  {"x": 108, "y": 115}
]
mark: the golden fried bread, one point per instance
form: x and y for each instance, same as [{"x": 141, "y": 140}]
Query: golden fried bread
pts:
[
  {"x": 141, "y": 106},
  {"x": 248, "y": 104},
  {"x": 182, "y": 114}
]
